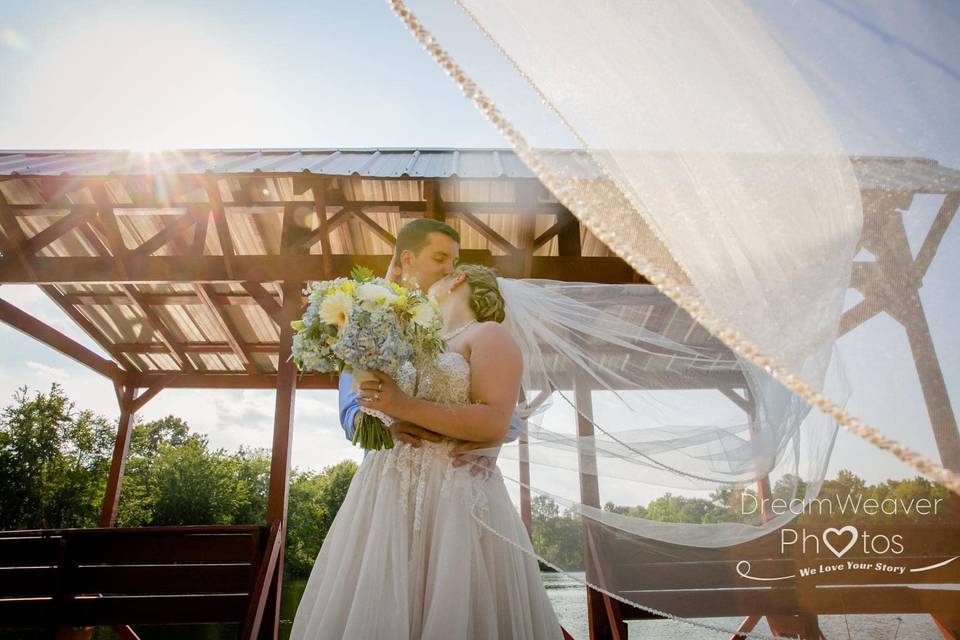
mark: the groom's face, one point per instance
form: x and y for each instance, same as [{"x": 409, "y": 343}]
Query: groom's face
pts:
[{"x": 435, "y": 260}]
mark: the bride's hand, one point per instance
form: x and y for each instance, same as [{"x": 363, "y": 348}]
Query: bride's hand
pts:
[{"x": 382, "y": 394}]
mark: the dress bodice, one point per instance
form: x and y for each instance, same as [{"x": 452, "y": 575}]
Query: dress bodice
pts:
[{"x": 445, "y": 379}]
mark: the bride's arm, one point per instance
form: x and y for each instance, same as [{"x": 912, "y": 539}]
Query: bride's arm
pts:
[{"x": 495, "y": 370}]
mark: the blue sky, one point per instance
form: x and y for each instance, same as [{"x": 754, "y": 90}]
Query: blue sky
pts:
[{"x": 325, "y": 74}]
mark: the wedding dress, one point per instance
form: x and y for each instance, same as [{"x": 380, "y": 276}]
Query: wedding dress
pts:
[{"x": 406, "y": 557}]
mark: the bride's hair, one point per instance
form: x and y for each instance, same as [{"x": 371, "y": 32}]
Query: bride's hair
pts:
[{"x": 486, "y": 301}]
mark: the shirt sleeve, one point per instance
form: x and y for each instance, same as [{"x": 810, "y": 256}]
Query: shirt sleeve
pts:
[
  {"x": 348, "y": 404},
  {"x": 516, "y": 425}
]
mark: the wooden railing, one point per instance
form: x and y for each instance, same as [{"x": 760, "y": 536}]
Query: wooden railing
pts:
[{"x": 69, "y": 578}]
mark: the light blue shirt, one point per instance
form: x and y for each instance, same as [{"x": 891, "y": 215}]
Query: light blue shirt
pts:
[{"x": 349, "y": 407}]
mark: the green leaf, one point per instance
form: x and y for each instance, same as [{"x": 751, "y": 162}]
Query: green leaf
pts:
[{"x": 361, "y": 273}]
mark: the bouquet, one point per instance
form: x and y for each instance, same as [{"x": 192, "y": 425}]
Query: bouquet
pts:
[{"x": 361, "y": 323}]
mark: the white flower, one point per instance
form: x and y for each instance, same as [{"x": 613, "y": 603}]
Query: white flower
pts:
[
  {"x": 335, "y": 308},
  {"x": 372, "y": 295},
  {"x": 424, "y": 314}
]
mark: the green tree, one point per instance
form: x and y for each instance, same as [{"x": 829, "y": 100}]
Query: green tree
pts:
[
  {"x": 314, "y": 501},
  {"x": 53, "y": 462}
]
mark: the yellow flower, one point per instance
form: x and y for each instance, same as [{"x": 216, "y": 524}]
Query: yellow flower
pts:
[
  {"x": 335, "y": 308},
  {"x": 400, "y": 290}
]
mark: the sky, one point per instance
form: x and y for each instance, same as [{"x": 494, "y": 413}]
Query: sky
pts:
[{"x": 324, "y": 74}]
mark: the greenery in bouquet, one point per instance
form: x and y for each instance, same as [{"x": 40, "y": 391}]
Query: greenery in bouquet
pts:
[{"x": 365, "y": 323}]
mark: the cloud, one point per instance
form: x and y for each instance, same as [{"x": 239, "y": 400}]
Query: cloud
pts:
[
  {"x": 47, "y": 370},
  {"x": 12, "y": 38}
]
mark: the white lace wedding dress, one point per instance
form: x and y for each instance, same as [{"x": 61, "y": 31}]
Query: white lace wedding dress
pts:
[{"x": 405, "y": 557}]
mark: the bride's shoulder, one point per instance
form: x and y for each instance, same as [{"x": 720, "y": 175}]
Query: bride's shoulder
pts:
[{"x": 491, "y": 334}]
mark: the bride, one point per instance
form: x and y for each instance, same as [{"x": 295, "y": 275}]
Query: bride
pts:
[{"x": 413, "y": 550}]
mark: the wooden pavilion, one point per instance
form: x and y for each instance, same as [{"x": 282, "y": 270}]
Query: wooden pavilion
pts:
[{"x": 186, "y": 267}]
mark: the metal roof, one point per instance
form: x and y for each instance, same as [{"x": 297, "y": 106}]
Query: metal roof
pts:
[{"x": 873, "y": 172}]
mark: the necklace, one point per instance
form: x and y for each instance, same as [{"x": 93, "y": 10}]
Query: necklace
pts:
[{"x": 457, "y": 332}]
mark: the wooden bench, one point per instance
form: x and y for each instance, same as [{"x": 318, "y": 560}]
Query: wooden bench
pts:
[
  {"x": 61, "y": 578},
  {"x": 698, "y": 582}
]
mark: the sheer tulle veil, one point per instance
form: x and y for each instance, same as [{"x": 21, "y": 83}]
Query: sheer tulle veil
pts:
[{"x": 739, "y": 156}]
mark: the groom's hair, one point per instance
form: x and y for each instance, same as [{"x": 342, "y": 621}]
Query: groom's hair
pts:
[{"x": 413, "y": 235}]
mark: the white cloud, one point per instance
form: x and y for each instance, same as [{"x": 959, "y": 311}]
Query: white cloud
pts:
[
  {"x": 47, "y": 371},
  {"x": 10, "y": 37}
]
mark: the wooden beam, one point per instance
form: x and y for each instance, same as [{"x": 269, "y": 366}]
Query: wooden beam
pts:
[
  {"x": 380, "y": 231},
  {"x": 198, "y": 347},
  {"x": 948, "y": 209},
  {"x": 93, "y": 332},
  {"x": 16, "y": 238},
  {"x": 49, "y": 336},
  {"x": 58, "y": 229},
  {"x": 253, "y": 625},
  {"x": 110, "y": 227},
  {"x": 319, "y": 188},
  {"x": 334, "y": 198},
  {"x": 168, "y": 299},
  {"x": 483, "y": 229},
  {"x": 108, "y": 512},
  {"x": 155, "y": 387},
  {"x": 226, "y": 326},
  {"x": 156, "y": 323},
  {"x": 232, "y": 380},
  {"x": 273, "y": 268},
  {"x": 265, "y": 299},
  {"x": 435, "y": 208},
  {"x": 167, "y": 234},
  {"x": 222, "y": 228},
  {"x": 282, "y": 442}
]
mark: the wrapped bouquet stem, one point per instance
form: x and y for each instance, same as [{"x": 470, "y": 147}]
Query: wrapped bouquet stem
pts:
[
  {"x": 362, "y": 323},
  {"x": 372, "y": 428}
]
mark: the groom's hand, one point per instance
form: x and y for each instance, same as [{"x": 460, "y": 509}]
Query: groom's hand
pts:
[
  {"x": 463, "y": 454},
  {"x": 412, "y": 434}
]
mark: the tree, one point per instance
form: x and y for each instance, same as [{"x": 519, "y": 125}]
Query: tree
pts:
[
  {"x": 313, "y": 504},
  {"x": 53, "y": 462}
]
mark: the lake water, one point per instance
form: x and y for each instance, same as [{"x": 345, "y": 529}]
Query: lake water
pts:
[{"x": 569, "y": 601}]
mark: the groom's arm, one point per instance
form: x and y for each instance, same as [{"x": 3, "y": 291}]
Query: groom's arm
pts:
[{"x": 348, "y": 404}]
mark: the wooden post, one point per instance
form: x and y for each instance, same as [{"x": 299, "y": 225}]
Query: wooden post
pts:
[
  {"x": 280, "y": 460},
  {"x": 108, "y": 511},
  {"x": 603, "y": 612}
]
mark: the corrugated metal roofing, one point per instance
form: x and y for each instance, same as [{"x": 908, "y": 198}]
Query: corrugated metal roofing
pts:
[{"x": 890, "y": 173}]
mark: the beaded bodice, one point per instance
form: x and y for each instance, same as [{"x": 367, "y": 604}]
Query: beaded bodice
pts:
[{"x": 445, "y": 379}]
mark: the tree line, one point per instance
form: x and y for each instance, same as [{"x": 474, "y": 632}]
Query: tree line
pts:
[{"x": 54, "y": 463}]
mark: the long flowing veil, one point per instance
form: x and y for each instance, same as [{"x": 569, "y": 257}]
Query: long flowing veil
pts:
[{"x": 783, "y": 175}]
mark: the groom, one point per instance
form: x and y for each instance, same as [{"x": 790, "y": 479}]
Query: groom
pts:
[{"x": 427, "y": 250}]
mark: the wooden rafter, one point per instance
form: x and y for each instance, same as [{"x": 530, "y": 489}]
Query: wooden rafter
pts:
[
  {"x": 92, "y": 331},
  {"x": 608, "y": 269},
  {"x": 265, "y": 299},
  {"x": 168, "y": 233},
  {"x": 485, "y": 230},
  {"x": 380, "y": 231},
  {"x": 222, "y": 228},
  {"x": 16, "y": 239},
  {"x": 435, "y": 208},
  {"x": 111, "y": 229},
  {"x": 56, "y": 340},
  {"x": 319, "y": 189},
  {"x": 226, "y": 326},
  {"x": 159, "y": 328},
  {"x": 78, "y": 216}
]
